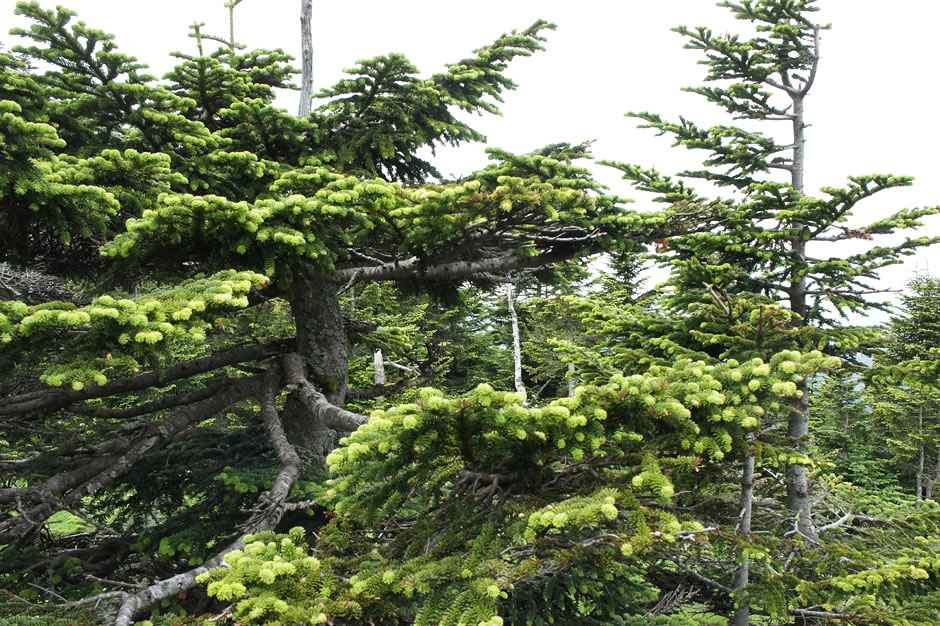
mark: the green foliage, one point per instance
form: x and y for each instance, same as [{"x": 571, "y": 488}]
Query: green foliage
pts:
[{"x": 273, "y": 580}]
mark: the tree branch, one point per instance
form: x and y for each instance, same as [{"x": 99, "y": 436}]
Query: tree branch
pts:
[
  {"x": 415, "y": 268},
  {"x": 332, "y": 416},
  {"x": 55, "y": 397},
  {"x": 268, "y": 511},
  {"x": 105, "y": 470},
  {"x": 166, "y": 402}
]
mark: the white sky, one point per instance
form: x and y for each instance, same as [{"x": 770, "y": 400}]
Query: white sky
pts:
[{"x": 873, "y": 109}]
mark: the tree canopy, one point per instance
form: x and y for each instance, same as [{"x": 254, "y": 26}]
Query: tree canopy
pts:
[{"x": 259, "y": 368}]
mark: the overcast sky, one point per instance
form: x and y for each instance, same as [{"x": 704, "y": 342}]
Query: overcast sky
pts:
[{"x": 873, "y": 109}]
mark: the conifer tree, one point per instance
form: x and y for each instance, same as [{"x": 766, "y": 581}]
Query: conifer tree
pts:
[
  {"x": 776, "y": 239},
  {"x": 210, "y": 235}
]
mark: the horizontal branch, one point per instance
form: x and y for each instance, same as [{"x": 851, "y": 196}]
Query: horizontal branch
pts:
[
  {"x": 416, "y": 268},
  {"x": 108, "y": 469},
  {"x": 382, "y": 390},
  {"x": 166, "y": 402},
  {"x": 55, "y": 397}
]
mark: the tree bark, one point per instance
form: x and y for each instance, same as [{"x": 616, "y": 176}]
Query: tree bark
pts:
[
  {"x": 378, "y": 364},
  {"x": 516, "y": 343},
  {"x": 742, "y": 613},
  {"x": 920, "y": 450},
  {"x": 798, "y": 491},
  {"x": 306, "y": 57},
  {"x": 323, "y": 353}
]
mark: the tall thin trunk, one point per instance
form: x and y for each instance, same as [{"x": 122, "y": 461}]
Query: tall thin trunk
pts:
[
  {"x": 742, "y": 613},
  {"x": 936, "y": 476},
  {"x": 571, "y": 370},
  {"x": 797, "y": 482},
  {"x": 516, "y": 343},
  {"x": 920, "y": 450},
  {"x": 306, "y": 58},
  {"x": 378, "y": 364}
]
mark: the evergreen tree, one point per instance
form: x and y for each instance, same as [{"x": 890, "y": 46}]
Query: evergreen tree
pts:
[
  {"x": 774, "y": 239},
  {"x": 210, "y": 236},
  {"x": 908, "y": 415}
]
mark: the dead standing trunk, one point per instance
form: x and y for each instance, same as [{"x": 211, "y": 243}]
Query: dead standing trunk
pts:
[
  {"x": 306, "y": 58},
  {"x": 516, "y": 343},
  {"x": 797, "y": 481},
  {"x": 920, "y": 450}
]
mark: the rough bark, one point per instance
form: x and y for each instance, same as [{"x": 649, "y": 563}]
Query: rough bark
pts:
[
  {"x": 315, "y": 423},
  {"x": 323, "y": 361},
  {"x": 321, "y": 336},
  {"x": 742, "y": 613},
  {"x": 306, "y": 58}
]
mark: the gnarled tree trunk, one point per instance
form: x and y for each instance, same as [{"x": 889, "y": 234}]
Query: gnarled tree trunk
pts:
[{"x": 321, "y": 343}]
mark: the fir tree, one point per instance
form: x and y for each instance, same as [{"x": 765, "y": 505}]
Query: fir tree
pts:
[
  {"x": 210, "y": 235},
  {"x": 775, "y": 238}
]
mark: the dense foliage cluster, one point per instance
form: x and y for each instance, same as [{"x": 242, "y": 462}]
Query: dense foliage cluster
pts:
[{"x": 265, "y": 369}]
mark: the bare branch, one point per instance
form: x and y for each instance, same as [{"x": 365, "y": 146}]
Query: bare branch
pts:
[
  {"x": 105, "y": 470},
  {"x": 416, "y": 268},
  {"x": 267, "y": 513}
]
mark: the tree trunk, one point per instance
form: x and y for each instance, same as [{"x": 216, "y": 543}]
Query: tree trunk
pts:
[
  {"x": 742, "y": 613},
  {"x": 920, "y": 450},
  {"x": 516, "y": 343},
  {"x": 378, "y": 362},
  {"x": 571, "y": 369},
  {"x": 321, "y": 342},
  {"x": 798, "y": 492},
  {"x": 306, "y": 57},
  {"x": 936, "y": 477}
]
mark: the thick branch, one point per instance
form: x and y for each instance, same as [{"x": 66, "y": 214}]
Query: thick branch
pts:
[
  {"x": 415, "y": 268},
  {"x": 55, "y": 397},
  {"x": 166, "y": 402},
  {"x": 268, "y": 512},
  {"x": 332, "y": 416}
]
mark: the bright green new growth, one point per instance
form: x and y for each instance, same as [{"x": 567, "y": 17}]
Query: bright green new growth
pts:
[{"x": 476, "y": 497}]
